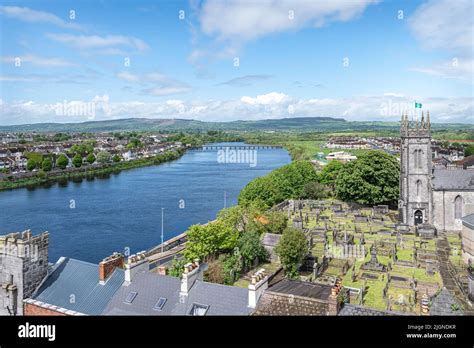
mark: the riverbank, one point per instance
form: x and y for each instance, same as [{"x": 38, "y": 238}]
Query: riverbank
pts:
[{"x": 43, "y": 178}]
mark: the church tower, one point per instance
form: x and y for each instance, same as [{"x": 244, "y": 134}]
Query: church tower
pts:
[{"x": 415, "y": 204}]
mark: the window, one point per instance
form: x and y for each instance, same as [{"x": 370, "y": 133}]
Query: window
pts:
[
  {"x": 458, "y": 207},
  {"x": 160, "y": 304},
  {"x": 418, "y": 188},
  {"x": 131, "y": 296},
  {"x": 198, "y": 309}
]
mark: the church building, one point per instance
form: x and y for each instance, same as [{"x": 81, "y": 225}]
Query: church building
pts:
[{"x": 440, "y": 197}]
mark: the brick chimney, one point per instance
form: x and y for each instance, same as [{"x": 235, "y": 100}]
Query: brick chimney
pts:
[
  {"x": 192, "y": 272},
  {"x": 108, "y": 265},
  {"x": 333, "y": 303},
  {"x": 257, "y": 286}
]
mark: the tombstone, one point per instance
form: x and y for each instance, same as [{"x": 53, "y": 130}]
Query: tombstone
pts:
[
  {"x": 429, "y": 267},
  {"x": 298, "y": 223}
]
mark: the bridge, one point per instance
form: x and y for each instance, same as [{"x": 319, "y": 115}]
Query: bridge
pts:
[{"x": 240, "y": 147}]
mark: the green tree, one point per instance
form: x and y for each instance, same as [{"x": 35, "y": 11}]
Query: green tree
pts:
[
  {"x": 41, "y": 174},
  {"x": 292, "y": 249},
  {"x": 232, "y": 267},
  {"x": 468, "y": 151},
  {"x": 314, "y": 190},
  {"x": 90, "y": 158},
  {"x": 210, "y": 239},
  {"x": 177, "y": 267},
  {"x": 62, "y": 161},
  {"x": 116, "y": 158},
  {"x": 371, "y": 179},
  {"x": 47, "y": 164},
  {"x": 77, "y": 161},
  {"x": 103, "y": 157},
  {"x": 31, "y": 164},
  {"x": 329, "y": 174},
  {"x": 251, "y": 249}
]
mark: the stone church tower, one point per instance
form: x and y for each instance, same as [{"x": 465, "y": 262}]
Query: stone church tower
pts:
[{"x": 415, "y": 204}]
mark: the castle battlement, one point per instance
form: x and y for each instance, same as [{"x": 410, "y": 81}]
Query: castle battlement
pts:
[{"x": 23, "y": 244}]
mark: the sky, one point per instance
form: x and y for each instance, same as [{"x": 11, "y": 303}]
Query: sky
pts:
[{"x": 217, "y": 60}]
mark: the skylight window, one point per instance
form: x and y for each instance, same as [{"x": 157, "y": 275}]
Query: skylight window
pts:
[
  {"x": 160, "y": 304},
  {"x": 198, "y": 309},
  {"x": 131, "y": 296}
]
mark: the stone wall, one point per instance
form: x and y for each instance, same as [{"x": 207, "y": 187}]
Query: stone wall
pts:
[
  {"x": 467, "y": 244},
  {"x": 272, "y": 303},
  {"x": 24, "y": 264},
  {"x": 443, "y": 209}
]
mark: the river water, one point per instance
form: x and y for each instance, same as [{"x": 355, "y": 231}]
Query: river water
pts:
[{"x": 89, "y": 220}]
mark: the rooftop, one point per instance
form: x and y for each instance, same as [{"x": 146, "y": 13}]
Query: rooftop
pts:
[
  {"x": 149, "y": 287},
  {"x": 453, "y": 179},
  {"x": 74, "y": 285},
  {"x": 301, "y": 288}
]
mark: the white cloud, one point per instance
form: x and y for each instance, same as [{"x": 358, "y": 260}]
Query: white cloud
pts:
[
  {"x": 26, "y": 14},
  {"x": 358, "y": 108},
  {"x": 38, "y": 61},
  {"x": 233, "y": 23},
  {"x": 247, "y": 20},
  {"x": 107, "y": 42},
  {"x": 265, "y": 99},
  {"x": 156, "y": 84},
  {"x": 445, "y": 24}
]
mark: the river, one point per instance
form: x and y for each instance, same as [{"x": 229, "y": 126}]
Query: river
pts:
[{"x": 89, "y": 220}]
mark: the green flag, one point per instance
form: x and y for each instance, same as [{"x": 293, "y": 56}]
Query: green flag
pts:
[{"x": 418, "y": 105}]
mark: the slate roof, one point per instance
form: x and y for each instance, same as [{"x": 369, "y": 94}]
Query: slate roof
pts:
[
  {"x": 468, "y": 220},
  {"x": 80, "y": 279},
  {"x": 356, "y": 310},
  {"x": 453, "y": 179},
  {"x": 301, "y": 288},
  {"x": 150, "y": 287},
  {"x": 442, "y": 303}
]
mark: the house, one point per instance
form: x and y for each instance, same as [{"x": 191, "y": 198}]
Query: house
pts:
[
  {"x": 341, "y": 156},
  {"x": 75, "y": 287},
  {"x": 146, "y": 293}
]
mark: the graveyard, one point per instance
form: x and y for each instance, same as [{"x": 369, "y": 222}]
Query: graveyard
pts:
[{"x": 382, "y": 264}]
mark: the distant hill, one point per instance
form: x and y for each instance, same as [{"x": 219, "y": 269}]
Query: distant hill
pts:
[{"x": 301, "y": 124}]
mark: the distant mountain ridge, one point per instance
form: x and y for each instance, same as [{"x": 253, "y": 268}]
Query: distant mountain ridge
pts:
[{"x": 301, "y": 124}]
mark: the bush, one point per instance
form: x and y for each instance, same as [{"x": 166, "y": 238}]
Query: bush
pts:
[
  {"x": 292, "y": 249},
  {"x": 233, "y": 266},
  {"x": 251, "y": 250},
  {"x": 31, "y": 164},
  {"x": 177, "y": 267},
  {"x": 90, "y": 158},
  {"x": 215, "y": 272},
  {"x": 314, "y": 190}
]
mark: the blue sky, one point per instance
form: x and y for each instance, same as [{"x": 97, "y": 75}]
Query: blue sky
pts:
[{"x": 228, "y": 60}]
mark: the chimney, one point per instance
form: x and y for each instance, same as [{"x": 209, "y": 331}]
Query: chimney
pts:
[
  {"x": 257, "y": 286},
  {"x": 333, "y": 303},
  {"x": 107, "y": 266},
  {"x": 162, "y": 270},
  {"x": 136, "y": 262},
  {"x": 192, "y": 272}
]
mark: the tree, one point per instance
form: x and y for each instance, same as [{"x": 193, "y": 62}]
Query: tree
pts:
[
  {"x": 468, "y": 151},
  {"x": 62, "y": 161},
  {"x": 41, "y": 174},
  {"x": 77, "y": 161},
  {"x": 47, "y": 164},
  {"x": 282, "y": 183},
  {"x": 103, "y": 157},
  {"x": 314, "y": 190},
  {"x": 329, "y": 174},
  {"x": 116, "y": 158},
  {"x": 371, "y": 179},
  {"x": 232, "y": 267},
  {"x": 292, "y": 249},
  {"x": 31, "y": 164},
  {"x": 206, "y": 240},
  {"x": 177, "y": 267},
  {"x": 215, "y": 271},
  {"x": 251, "y": 249},
  {"x": 90, "y": 158}
]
